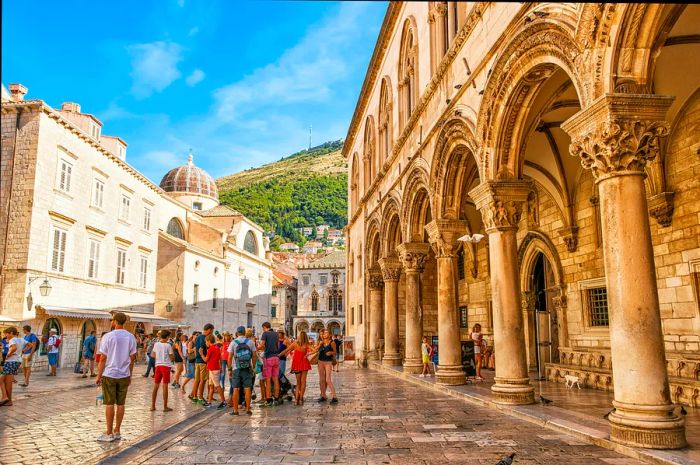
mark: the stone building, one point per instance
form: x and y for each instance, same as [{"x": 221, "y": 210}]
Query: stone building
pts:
[
  {"x": 284, "y": 299},
  {"x": 568, "y": 136},
  {"x": 321, "y": 295}
]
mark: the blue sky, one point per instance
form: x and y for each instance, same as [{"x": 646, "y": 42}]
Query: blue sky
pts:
[{"x": 239, "y": 82}]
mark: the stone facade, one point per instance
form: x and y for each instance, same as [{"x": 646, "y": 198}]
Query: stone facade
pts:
[
  {"x": 566, "y": 137},
  {"x": 284, "y": 300}
]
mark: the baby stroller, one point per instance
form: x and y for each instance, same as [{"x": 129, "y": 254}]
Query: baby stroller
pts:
[{"x": 286, "y": 388}]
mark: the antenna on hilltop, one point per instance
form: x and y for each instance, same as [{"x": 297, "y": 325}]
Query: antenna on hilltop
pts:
[{"x": 310, "y": 132}]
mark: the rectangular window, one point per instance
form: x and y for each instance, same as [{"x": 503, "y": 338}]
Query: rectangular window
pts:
[
  {"x": 359, "y": 315},
  {"x": 273, "y": 311},
  {"x": 214, "y": 297},
  {"x": 463, "y": 317},
  {"x": 58, "y": 255},
  {"x": 98, "y": 192},
  {"x": 146, "y": 218},
  {"x": 195, "y": 295},
  {"x": 460, "y": 265},
  {"x": 124, "y": 208},
  {"x": 324, "y": 279},
  {"x": 196, "y": 205},
  {"x": 143, "y": 281},
  {"x": 274, "y": 293},
  {"x": 352, "y": 315},
  {"x": 121, "y": 266},
  {"x": 250, "y": 319},
  {"x": 305, "y": 279},
  {"x": 64, "y": 176},
  {"x": 598, "y": 306},
  {"x": 94, "y": 259}
]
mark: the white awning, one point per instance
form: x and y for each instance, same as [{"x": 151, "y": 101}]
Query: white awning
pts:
[
  {"x": 147, "y": 318},
  {"x": 77, "y": 312},
  {"x": 7, "y": 320}
]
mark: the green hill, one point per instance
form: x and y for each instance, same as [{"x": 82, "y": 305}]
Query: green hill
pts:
[{"x": 302, "y": 189}]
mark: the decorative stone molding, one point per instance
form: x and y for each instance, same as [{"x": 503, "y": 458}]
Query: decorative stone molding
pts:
[
  {"x": 376, "y": 280},
  {"x": 391, "y": 268},
  {"x": 443, "y": 235},
  {"x": 618, "y": 133},
  {"x": 570, "y": 236},
  {"x": 501, "y": 202},
  {"x": 661, "y": 208},
  {"x": 413, "y": 256}
]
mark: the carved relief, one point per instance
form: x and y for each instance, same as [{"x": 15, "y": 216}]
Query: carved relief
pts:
[
  {"x": 391, "y": 268},
  {"x": 413, "y": 256},
  {"x": 443, "y": 236},
  {"x": 501, "y": 202},
  {"x": 375, "y": 280},
  {"x": 661, "y": 208}
]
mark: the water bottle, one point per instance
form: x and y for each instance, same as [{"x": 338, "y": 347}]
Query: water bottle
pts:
[{"x": 99, "y": 398}]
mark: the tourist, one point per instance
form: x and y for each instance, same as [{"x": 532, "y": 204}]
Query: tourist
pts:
[
  {"x": 339, "y": 349},
  {"x": 30, "y": 347},
  {"x": 179, "y": 358},
  {"x": 426, "y": 352},
  {"x": 326, "y": 354},
  {"x": 13, "y": 360},
  {"x": 188, "y": 349},
  {"x": 242, "y": 358},
  {"x": 212, "y": 358},
  {"x": 52, "y": 345},
  {"x": 200, "y": 367},
  {"x": 300, "y": 363},
  {"x": 478, "y": 339},
  {"x": 89, "y": 346},
  {"x": 225, "y": 341},
  {"x": 283, "y": 358},
  {"x": 163, "y": 355},
  {"x": 151, "y": 342},
  {"x": 118, "y": 350},
  {"x": 269, "y": 344},
  {"x": 5, "y": 348}
]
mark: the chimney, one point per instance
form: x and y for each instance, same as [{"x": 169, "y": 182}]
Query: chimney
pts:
[
  {"x": 70, "y": 106},
  {"x": 18, "y": 92}
]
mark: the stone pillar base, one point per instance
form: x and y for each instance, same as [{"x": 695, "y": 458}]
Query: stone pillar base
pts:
[
  {"x": 513, "y": 391},
  {"x": 649, "y": 426},
  {"x": 373, "y": 355},
  {"x": 414, "y": 365},
  {"x": 450, "y": 375},
  {"x": 391, "y": 359}
]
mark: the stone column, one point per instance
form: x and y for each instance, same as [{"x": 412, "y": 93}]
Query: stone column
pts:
[
  {"x": 412, "y": 256},
  {"x": 376, "y": 285},
  {"x": 443, "y": 236},
  {"x": 391, "y": 272},
  {"x": 500, "y": 204},
  {"x": 615, "y": 137}
]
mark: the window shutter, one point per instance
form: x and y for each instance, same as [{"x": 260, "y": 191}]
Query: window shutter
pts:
[
  {"x": 68, "y": 175},
  {"x": 62, "y": 254},
  {"x": 56, "y": 246}
]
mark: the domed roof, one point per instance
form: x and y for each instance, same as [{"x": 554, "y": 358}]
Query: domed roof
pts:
[{"x": 190, "y": 178}]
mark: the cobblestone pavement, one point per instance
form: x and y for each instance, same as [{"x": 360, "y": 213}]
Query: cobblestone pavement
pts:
[
  {"x": 379, "y": 420},
  {"x": 60, "y": 427}
]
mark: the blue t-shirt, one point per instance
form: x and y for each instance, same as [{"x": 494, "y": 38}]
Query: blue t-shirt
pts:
[
  {"x": 200, "y": 343},
  {"x": 283, "y": 347},
  {"x": 272, "y": 343},
  {"x": 89, "y": 345},
  {"x": 31, "y": 337},
  {"x": 5, "y": 347}
]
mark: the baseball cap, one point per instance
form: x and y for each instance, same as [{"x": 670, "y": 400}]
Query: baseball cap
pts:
[{"x": 240, "y": 330}]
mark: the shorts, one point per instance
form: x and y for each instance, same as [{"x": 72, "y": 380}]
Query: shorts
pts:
[
  {"x": 10, "y": 368},
  {"x": 114, "y": 390},
  {"x": 53, "y": 359},
  {"x": 426, "y": 359},
  {"x": 190, "y": 370},
  {"x": 88, "y": 356},
  {"x": 271, "y": 368},
  {"x": 242, "y": 378},
  {"x": 27, "y": 360},
  {"x": 200, "y": 371},
  {"x": 214, "y": 378},
  {"x": 162, "y": 374}
]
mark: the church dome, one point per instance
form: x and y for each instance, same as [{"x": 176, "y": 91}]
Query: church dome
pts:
[{"x": 190, "y": 179}]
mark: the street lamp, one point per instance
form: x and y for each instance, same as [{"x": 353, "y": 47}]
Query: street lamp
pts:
[
  {"x": 168, "y": 307},
  {"x": 44, "y": 289}
]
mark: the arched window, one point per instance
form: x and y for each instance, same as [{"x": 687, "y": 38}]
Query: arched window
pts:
[
  {"x": 249, "y": 244},
  {"x": 369, "y": 152},
  {"x": 335, "y": 301},
  {"x": 175, "y": 229},
  {"x": 385, "y": 121},
  {"x": 355, "y": 184},
  {"x": 314, "y": 301},
  {"x": 408, "y": 72}
]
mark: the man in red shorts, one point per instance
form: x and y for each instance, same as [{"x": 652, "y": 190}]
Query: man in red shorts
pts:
[{"x": 163, "y": 355}]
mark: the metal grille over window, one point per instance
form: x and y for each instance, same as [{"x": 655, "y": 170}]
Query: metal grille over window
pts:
[
  {"x": 175, "y": 229},
  {"x": 598, "y": 306}
]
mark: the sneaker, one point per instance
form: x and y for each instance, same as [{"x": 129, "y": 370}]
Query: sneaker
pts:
[
  {"x": 24, "y": 385},
  {"x": 206, "y": 404},
  {"x": 233, "y": 412},
  {"x": 221, "y": 405},
  {"x": 321, "y": 399},
  {"x": 106, "y": 438},
  {"x": 117, "y": 436},
  {"x": 201, "y": 401},
  {"x": 421, "y": 375},
  {"x": 267, "y": 404},
  {"x": 84, "y": 376},
  {"x": 248, "y": 412},
  {"x": 334, "y": 400}
]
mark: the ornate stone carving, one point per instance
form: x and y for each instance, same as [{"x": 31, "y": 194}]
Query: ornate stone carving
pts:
[
  {"x": 533, "y": 217},
  {"x": 501, "y": 202},
  {"x": 376, "y": 280},
  {"x": 661, "y": 208},
  {"x": 570, "y": 236},
  {"x": 391, "y": 268},
  {"x": 413, "y": 256},
  {"x": 443, "y": 236}
]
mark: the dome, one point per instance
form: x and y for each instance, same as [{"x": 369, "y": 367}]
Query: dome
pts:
[{"x": 190, "y": 179}]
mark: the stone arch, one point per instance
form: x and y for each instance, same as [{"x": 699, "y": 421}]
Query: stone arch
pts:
[
  {"x": 373, "y": 243},
  {"x": 417, "y": 202},
  {"x": 523, "y": 65},
  {"x": 175, "y": 228},
  {"x": 301, "y": 325},
  {"x": 391, "y": 231},
  {"x": 533, "y": 243},
  {"x": 317, "y": 326},
  {"x": 408, "y": 71},
  {"x": 370, "y": 153},
  {"x": 354, "y": 184},
  {"x": 453, "y": 163}
]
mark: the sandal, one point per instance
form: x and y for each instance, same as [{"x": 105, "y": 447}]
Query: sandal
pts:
[{"x": 3, "y": 402}]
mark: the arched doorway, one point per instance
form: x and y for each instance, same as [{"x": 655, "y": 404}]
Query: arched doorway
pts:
[
  {"x": 87, "y": 328},
  {"x": 301, "y": 326},
  {"x": 543, "y": 315},
  {"x": 317, "y": 326},
  {"x": 50, "y": 323},
  {"x": 334, "y": 328}
]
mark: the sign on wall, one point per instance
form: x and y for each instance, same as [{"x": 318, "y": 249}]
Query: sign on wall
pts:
[{"x": 349, "y": 348}]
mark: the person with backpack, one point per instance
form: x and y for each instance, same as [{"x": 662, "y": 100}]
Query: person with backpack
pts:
[
  {"x": 241, "y": 362},
  {"x": 53, "y": 344},
  {"x": 89, "y": 345},
  {"x": 30, "y": 348},
  {"x": 13, "y": 360},
  {"x": 149, "y": 352}
]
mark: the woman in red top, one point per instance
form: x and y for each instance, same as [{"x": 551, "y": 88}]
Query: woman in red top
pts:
[{"x": 300, "y": 363}]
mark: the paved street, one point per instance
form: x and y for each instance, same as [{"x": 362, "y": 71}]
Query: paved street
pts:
[{"x": 379, "y": 420}]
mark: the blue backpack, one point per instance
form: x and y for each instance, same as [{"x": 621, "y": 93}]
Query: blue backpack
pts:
[{"x": 244, "y": 355}]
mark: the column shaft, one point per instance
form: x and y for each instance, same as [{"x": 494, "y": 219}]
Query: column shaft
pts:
[
  {"x": 414, "y": 323},
  {"x": 375, "y": 314},
  {"x": 391, "y": 271}
]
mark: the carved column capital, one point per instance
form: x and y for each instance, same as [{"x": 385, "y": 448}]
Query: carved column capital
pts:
[
  {"x": 661, "y": 208},
  {"x": 501, "y": 202},
  {"x": 618, "y": 133},
  {"x": 570, "y": 235},
  {"x": 443, "y": 235},
  {"x": 376, "y": 281},
  {"x": 413, "y": 256},
  {"x": 391, "y": 268}
]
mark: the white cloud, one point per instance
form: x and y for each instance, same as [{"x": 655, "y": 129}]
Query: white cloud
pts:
[
  {"x": 195, "y": 78},
  {"x": 193, "y": 32},
  {"x": 154, "y": 67}
]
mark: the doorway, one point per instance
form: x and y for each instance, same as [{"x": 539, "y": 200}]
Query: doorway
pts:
[{"x": 543, "y": 317}]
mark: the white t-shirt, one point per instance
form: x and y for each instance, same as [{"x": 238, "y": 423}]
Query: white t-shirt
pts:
[
  {"x": 52, "y": 344},
  {"x": 118, "y": 346},
  {"x": 163, "y": 352},
  {"x": 476, "y": 337},
  {"x": 18, "y": 342}
]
